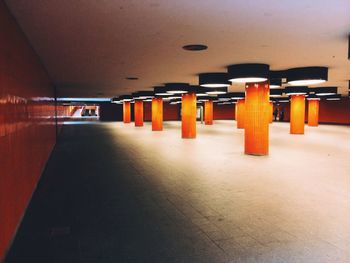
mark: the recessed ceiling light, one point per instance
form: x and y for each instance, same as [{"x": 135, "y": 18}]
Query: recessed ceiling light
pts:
[
  {"x": 306, "y": 82},
  {"x": 126, "y": 98},
  {"x": 296, "y": 90},
  {"x": 249, "y": 72},
  {"x": 307, "y": 76},
  {"x": 177, "y": 88},
  {"x": 236, "y": 95},
  {"x": 325, "y": 91},
  {"x": 160, "y": 91},
  {"x": 313, "y": 97},
  {"x": 276, "y": 92},
  {"x": 142, "y": 95},
  {"x": 217, "y": 91},
  {"x": 195, "y": 47},
  {"x": 132, "y": 78},
  {"x": 214, "y": 80},
  {"x": 333, "y": 97}
]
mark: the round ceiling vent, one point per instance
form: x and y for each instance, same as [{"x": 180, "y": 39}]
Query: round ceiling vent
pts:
[{"x": 195, "y": 47}]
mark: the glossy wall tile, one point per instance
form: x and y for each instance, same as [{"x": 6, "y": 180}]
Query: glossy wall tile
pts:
[{"x": 27, "y": 124}]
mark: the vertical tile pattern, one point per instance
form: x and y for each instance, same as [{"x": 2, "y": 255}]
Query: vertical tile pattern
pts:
[
  {"x": 208, "y": 112},
  {"x": 126, "y": 111},
  {"x": 256, "y": 123},
  {"x": 188, "y": 115},
  {"x": 157, "y": 114},
  {"x": 27, "y": 124},
  {"x": 240, "y": 112},
  {"x": 297, "y": 114},
  {"x": 138, "y": 113},
  {"x": 313, "y": 111}
]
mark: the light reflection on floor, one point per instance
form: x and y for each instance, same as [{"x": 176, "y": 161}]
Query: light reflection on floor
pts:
[{"x": 290, "y": 206}]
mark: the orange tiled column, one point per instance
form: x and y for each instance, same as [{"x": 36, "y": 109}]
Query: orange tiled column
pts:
[
  {"x": 138, "y": 113},
  {"x": 271, "y": 113},
  {"x": 126, "y": 112},
  {"x": 313, "y": 110},
  {"x": 188, "y": 115},
  {"x": 208, "y": 112},
  {"x": 297, "y": 114},
  {"x": 157, "y": 114},
  {"x": 240, "y": 109},
  {"x": 256, "y": 123}
]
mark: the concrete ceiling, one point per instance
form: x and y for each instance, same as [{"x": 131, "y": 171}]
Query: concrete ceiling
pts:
[{"x": 90, "y": 46}]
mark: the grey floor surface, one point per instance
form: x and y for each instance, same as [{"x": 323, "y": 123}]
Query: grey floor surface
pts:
[{"x": 115, "y": 193}]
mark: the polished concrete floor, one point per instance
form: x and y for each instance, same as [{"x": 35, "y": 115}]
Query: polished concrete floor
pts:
[{"x": 115, "y": 193}]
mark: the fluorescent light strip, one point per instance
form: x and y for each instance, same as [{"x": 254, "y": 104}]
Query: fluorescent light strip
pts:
[
  {"x": 306, "y": 82},
  {"x": 247, "y": 80}
]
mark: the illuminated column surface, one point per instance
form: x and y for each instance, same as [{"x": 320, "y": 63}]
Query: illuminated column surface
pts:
[
  {"x": 297, "y": 114},
  {"x": 138, "y": 113},
  {"x": 208, "y": 112},
  {"x": 126, "y": 112},
  {"x": 188, "y": 115},
  {"x": 157, "y": 114},
  {"x": 240, "y": 112},
  {"x": 313, "y": 110},
  {"x": 256, "y": 123},
  {"x": 271, "y": 113}
]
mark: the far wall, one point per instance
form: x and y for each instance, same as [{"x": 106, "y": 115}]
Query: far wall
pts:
[{"x": 336, "y": 112}]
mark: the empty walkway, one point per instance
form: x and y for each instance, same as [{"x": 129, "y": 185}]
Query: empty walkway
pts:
[{"x": 115, "y": 193}]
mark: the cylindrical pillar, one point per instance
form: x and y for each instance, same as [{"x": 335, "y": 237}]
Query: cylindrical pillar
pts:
[
  {"x": 188, "y": 115},
  {"x": 256, "y": 122},
  {"x": 297, "y": 114},
  {"x": 313, "y": 110},
  {"x": 126, "y": 112},
  {"x": 138, "y": 113},
  {"x": 240, "y": 112},
  {"x": 157, "y": 114},
  {"x": 271, "y": 112},
  {"x": 208, "y": 112}
]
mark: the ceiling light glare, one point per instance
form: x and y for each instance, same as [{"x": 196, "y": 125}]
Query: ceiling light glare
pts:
[
  {"x": 177, "y": 88},
  {"x": 213, "y": 80},
  {"x": 248, "y": 73},
  {"x": 305, "y": 76}
]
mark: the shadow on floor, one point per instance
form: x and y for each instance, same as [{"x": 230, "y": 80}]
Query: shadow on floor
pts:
[{"x": 92, "y": 205}]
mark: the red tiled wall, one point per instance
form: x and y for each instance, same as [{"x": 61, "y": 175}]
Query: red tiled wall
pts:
[
  {"x": 147, "y": 111},
  {"x": 27, "y": 124},
  {"x": 337, "y": 112},
  {"x": 171, "y": 112},
  {"x": 224, "y": 112}
]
